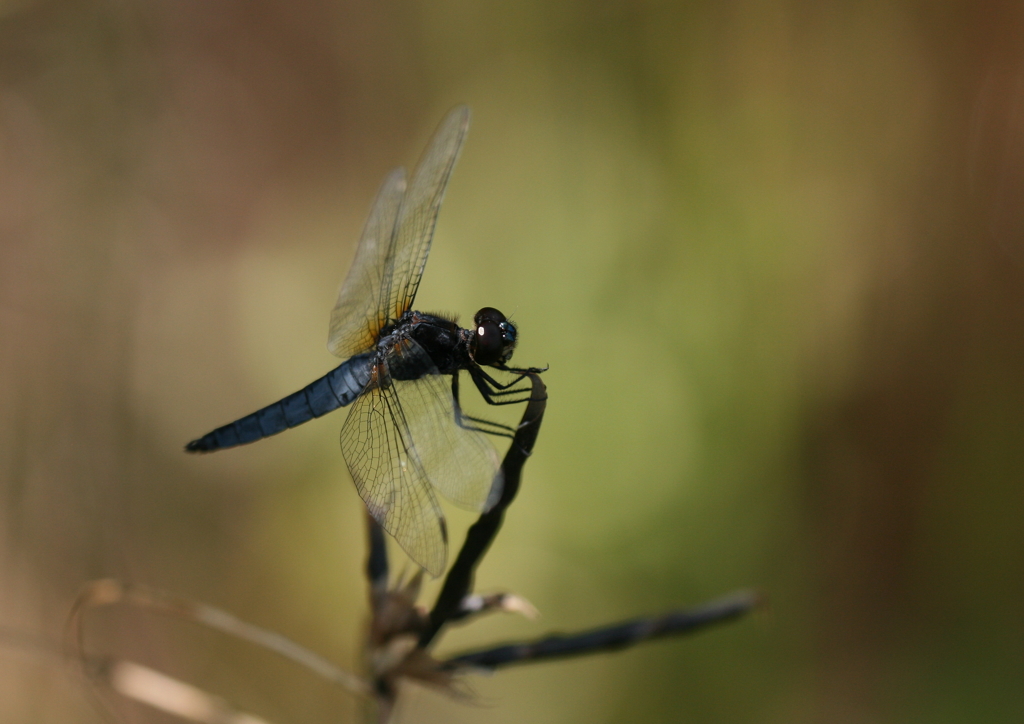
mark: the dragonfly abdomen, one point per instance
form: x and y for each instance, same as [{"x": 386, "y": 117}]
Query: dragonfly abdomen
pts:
[{"x": 337, "y": 388}]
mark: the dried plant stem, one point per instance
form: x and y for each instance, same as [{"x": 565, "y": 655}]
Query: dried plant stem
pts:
[
  {"x": 609, "y": 638},
  {"x": 459, "y": 581}
]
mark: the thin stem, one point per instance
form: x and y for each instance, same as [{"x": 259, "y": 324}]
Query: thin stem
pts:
[
  {"x": 459, "y": 582},
  {"x": 377, "y": 560},
  {"x": 108, "y": 592},
  {"x": 608, "y": 638}
]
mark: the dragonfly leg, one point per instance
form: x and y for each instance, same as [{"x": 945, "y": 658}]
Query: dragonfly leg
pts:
[
  {"x": 524, "y": 371},
  {"x": 520, "y": 375},
  {"x": 480, "y": 424},
  {"x": 486, "y": 384}
]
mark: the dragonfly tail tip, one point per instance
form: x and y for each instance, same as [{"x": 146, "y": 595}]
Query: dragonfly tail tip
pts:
[{"x": 197, "y": 446}]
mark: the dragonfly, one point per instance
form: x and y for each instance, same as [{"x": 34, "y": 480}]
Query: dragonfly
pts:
[{"x": 406, "y": 435}]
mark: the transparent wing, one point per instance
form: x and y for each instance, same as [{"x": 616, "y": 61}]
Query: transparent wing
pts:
[
  {"x": 358, "y": 315},
  {"x": 390, "y": 479},
  {"x": 418, "y": 214},
  {"x": 461, "y": 464},
  {"x": 400, "y": 440}
]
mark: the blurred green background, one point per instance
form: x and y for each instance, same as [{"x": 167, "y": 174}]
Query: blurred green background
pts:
[{"x": 773, "y": 252}]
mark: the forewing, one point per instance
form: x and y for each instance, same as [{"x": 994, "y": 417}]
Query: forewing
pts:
[
  {"x": 359, "y": 314},
  {"x": 418, "y": 214},
  {"x": 460, "y": 463},
  {"x": 377, "y": 445}
]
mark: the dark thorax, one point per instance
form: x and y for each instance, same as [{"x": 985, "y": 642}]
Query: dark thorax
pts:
[{"x": 442, "y": 339}]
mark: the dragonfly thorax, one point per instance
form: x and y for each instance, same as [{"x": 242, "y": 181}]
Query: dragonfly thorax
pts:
[{"x": 440, "y": 338}]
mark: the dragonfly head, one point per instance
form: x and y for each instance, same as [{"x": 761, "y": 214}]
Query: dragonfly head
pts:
[{"x": 494, "y": 338}]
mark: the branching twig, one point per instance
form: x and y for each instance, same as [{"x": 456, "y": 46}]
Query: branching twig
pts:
[
  {"x": 170, "y": 695},
  {"x": 376, "y": 561},
  {"x": 609, "y": 638},
  {"x": 457, "y": 603},
  {"x": 401, "y": 632},
  {"x": 459, "y": 581},
  {"x": 139, "y": 683},
  {"x": 475, "y": 605},
  {"x": 108, "y": 592}
]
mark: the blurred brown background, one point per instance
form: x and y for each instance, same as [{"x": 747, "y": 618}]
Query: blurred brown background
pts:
[{"x": 773, "y": 253}]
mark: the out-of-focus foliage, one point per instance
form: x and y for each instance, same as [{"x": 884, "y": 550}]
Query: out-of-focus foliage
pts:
[{"x": 773, "y": 253}]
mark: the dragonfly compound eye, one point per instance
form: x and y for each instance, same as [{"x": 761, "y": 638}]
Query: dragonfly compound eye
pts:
[{"x": 494, "y": 338}]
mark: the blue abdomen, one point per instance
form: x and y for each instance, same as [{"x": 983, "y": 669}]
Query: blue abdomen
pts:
[{"x": 337, "y": 388}]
